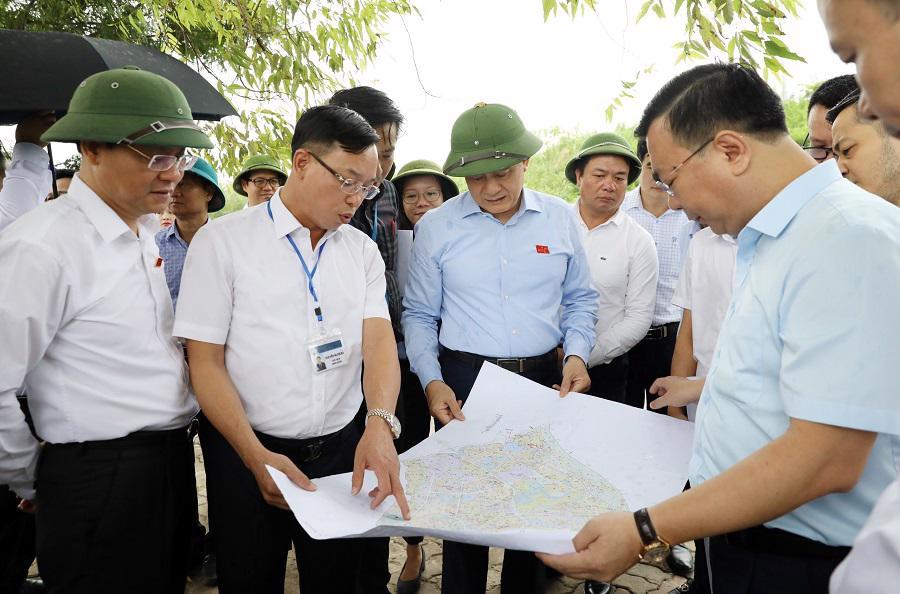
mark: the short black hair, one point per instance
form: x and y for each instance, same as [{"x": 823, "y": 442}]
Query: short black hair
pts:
[
  {"x": 851, "y": 99},
  {"x": 642, "y": 148},
  {"x": 699, "y": 102},
  {"x": 373, "y": 105},
  {"x": 324, "y": 125},
  {"x": 63, "y": 173},
  {"x": 829, "y": 93}
]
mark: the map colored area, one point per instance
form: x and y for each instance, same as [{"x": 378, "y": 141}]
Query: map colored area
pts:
[{"x": 525, "y": 481}]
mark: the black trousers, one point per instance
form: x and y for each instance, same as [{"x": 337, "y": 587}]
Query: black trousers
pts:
[
  {"x": 253, "y": 537},
  {"x": 465, "y": 566},
  {"x": 17, "y": 533},
  {"x": 115, "y": 514},
  {"x": 608, "y": 380},
  {"x": 649, "y": 359},
  {"x": 739, "y": 569}
]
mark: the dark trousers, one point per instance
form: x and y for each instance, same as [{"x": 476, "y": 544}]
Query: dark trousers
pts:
[
  {"x": 17, "y": 534},
  {"x": 115, "y": 514},
  {"x": 608, "y": 380},
  {"x": 651, "y": 358},
  {"x": 464, "y": 565},
  {"x": 253, "y": 537},
  {"x": 764, "y": 569}
]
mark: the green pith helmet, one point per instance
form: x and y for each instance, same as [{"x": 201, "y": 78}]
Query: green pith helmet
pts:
[
  {"x": 605, "y": 143},
  {"x": 489, "y": 137},
  {"x": 128, "y": 106},
  {"x": 425, "y": 167},
  {"x": 204, "y": 170},
  {"x": 254, "y": 163}
]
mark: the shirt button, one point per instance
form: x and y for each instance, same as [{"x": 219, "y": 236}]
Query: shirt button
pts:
[
  {"x": 515, "y": 332},
  {"x": 504, "y": 261},
  {"x": 506, "y": 297}
]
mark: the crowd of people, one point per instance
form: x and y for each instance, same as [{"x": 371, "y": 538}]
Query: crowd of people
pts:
[{"x": 745, "y": 283}]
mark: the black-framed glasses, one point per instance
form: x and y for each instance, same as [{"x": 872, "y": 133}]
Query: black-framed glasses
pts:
[
  {"x": 665, "y": 186},
  {"x": 432, "y": 196},
  {"x": 166, "y": 162},
  {"x": 349, "y": 186},
  {"x": 262, "y": 182},
  {"x": 819, "y": 153}
]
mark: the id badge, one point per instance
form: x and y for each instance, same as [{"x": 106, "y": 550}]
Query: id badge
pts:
[{"x": 326, "y": 351}]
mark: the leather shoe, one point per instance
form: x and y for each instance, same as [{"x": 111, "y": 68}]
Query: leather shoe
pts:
[
  {"x": 33, "y": 586},
  {"x": 412, "y": 586},
  {"x": 680, "y": 560},
  {"x": 592, "y": 587},
  {"x": 208, "y": 571},
  {"x": 685, "y": 588}
]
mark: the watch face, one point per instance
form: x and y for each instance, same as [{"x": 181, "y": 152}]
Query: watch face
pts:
[{"x": 655, "y": 552}]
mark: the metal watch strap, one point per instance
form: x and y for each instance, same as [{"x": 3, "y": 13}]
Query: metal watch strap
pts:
[
  {"x": 383, "y": 414},
  {"x": 645, "y": 527}
]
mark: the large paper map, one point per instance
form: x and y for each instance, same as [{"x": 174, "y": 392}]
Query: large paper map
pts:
[{"x": 525, "y": 470}]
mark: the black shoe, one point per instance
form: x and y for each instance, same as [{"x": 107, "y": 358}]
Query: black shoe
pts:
[
  {"x": 592, "y": 587},
  {"x": 208, "y": 572},
  {"x": 412, "y": 586},
  {"x": 33, "y": 586},
  {"x": 685, "y": 588},
  {"x": 680, "y": 560}
]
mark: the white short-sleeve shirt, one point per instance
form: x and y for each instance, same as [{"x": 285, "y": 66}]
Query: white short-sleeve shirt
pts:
[
  {"x": 704, "y": 287},
  {"x": 244, "y": 287}
]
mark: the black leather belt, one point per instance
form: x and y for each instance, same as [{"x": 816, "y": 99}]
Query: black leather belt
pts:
[
  {"x": 663, "y": 331},
  {"x": 515, "y": 364},
  {"x": 133, "y": 441},
  {"x": 303, "y": 450},
  {"x": 775, "y": 541}
]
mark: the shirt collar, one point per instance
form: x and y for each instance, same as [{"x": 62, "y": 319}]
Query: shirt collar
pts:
[
  {"x": 530, "y": 201},
  {"x": 775, "y": 216},
  {"x": 285, "y": 222},
  {"x": 617, "y": 219},
  {"x": 108, "y": 224}
]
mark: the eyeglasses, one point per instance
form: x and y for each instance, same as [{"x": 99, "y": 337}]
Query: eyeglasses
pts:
[
  {"x": 261, "y": 182},
  {"x": 431, "y": 196},
  {"x": 349, "y": 186},
  {"x": 819, "y": 153},
  {"x": 665, "y": 186},
  {"x": 166, "y": 162}
]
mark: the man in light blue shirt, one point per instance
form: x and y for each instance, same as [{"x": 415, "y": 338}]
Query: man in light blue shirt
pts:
[
  {"x": 792, "y": 445},
  {"x": 501, "y": 270}
]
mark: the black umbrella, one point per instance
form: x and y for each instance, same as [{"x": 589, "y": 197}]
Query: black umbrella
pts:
[{"x": 42, "y": 69}]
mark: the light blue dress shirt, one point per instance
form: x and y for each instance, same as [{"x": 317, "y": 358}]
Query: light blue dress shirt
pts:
[
  {"x": 812, "y": 334},
  {"x": 513, "y": 290},
  {"x": 173, "y": 250}
]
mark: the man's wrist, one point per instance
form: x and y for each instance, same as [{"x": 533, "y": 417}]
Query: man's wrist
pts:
[{"x": 579, "y": 357}]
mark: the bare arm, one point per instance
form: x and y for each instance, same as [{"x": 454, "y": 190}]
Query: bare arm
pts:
[
  {"x": 683, "y": 362},
  {"x": 221, "y": 404}
]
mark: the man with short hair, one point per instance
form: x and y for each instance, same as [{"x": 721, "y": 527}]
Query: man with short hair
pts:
[
  {"x": 866, "y": 154},
  {"x": 259, "y": 179},
  {"x": 281, "y": 306},
  {"x": 621, "y": 256},
  {"x": 87, "y": 324},
  {"x": 496, "y": 274},
  {"x": 827, "y": 95},
  {"x": 792, "y": 440},
  {"x": 670, "y": 229}
]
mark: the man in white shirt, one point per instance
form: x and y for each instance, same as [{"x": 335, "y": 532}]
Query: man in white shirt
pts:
[
  {"x": 670, "y": 228},
  {"x": 269, "y": 297},
  {"x": 27, "y": 179},
  {"x": 621, "y": 255},
  {"x": 86, "y": 321}
]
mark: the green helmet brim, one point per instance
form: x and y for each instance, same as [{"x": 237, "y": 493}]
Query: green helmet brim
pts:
[
  {"x": 497, "y": 158},
  {"x": 75, "y": 127}
]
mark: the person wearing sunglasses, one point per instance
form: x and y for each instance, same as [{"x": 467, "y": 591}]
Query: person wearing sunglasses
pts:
[
  {"x": 260, "y": 177},
  {"x": 792, "y": 443},
  {"x": 818, "y": 140},
  {"x": 281, "y": 305},
  {"x": 86, "y": 320}
]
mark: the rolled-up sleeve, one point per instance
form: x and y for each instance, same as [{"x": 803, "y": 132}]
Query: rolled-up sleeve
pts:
[
  {"x": 205, "y": 302},
  {"x": 376, "y": 284},
  {"x": 422, "y": 303},
  {"x": 28, "y": 181},
  {"x": 578, "y": 316}
]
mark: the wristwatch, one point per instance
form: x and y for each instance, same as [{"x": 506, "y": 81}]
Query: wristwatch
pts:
[
  {"x": 655, "y": 548},
  {"x": 390, "y": 419}
]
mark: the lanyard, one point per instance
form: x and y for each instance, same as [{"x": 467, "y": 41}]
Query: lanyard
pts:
[
  {"x": 375, "y": 223},
  {"x": 317, "y": 308}
]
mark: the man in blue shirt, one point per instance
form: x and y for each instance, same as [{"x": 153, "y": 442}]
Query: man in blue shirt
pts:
[
  {"x": 501, "y": 269},
  {"x": 792, "y": 445}
]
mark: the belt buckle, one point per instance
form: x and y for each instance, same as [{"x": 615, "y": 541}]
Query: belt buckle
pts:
[
  {"x": 314, "y": 450},
  {"x": 514, "y": 365}
]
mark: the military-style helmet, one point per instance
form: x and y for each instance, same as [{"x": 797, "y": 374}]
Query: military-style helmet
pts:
[
  {"x": 205, "y": 171},
  {"x": 425, "y": 167},
  {"x": 605, "y": 143},
  {"x": 489, "y": 137},
  {"x": 128, "y": 106},
  {"x": 254, "y": 163}
]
